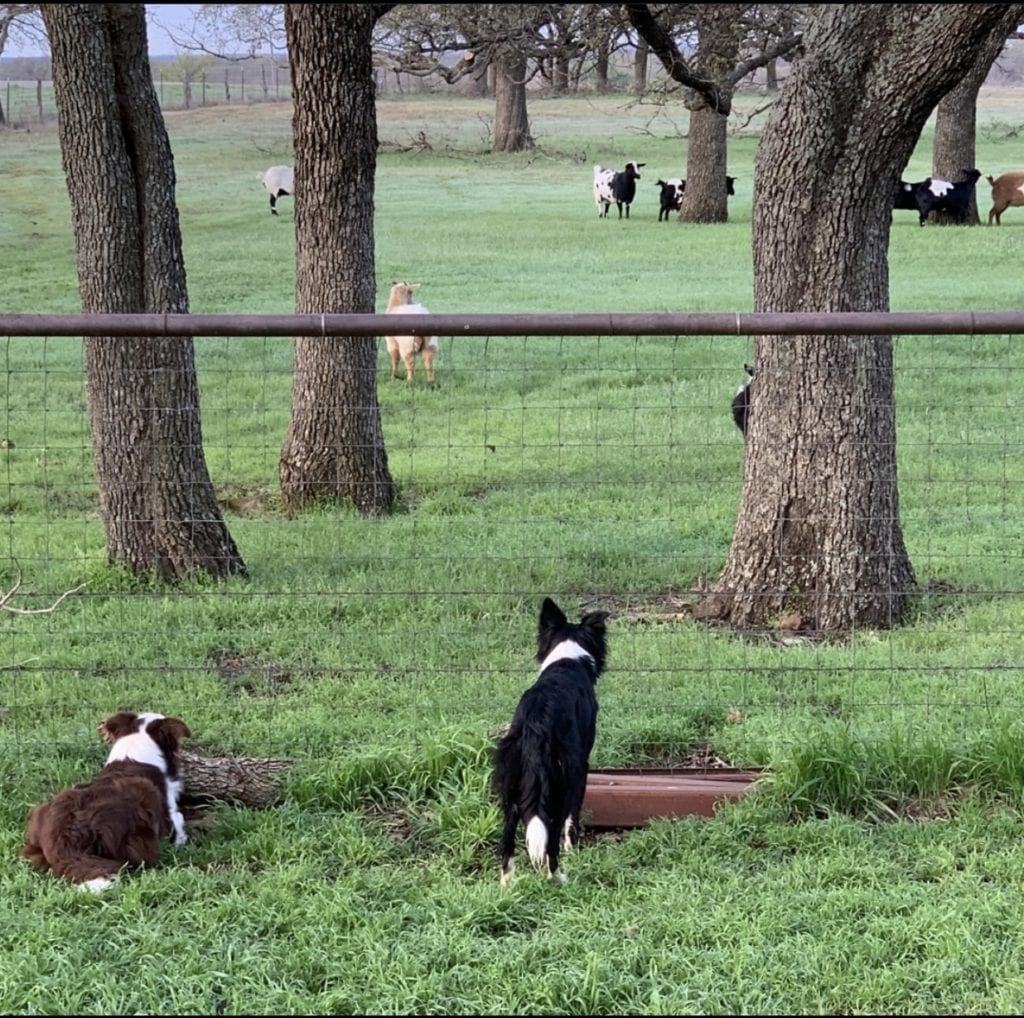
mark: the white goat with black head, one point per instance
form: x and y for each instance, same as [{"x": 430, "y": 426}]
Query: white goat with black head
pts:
[{"x": 618, "y": 186}]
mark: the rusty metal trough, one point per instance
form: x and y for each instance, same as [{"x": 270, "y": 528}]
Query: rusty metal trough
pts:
[{"x": 632, "y": 797}]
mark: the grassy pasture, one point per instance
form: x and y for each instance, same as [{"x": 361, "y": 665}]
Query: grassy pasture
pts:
[{"x": 380, "y": 655}]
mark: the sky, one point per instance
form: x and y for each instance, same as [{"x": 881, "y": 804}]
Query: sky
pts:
[{"x": 157, "y": 15}]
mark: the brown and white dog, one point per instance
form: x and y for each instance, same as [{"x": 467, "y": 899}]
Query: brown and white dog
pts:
[{"x": 88, "y": 833}]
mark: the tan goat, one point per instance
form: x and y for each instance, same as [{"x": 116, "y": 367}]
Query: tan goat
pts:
[
  {"x": 400, "y": 302},
  {"x": 1007, "y": 190}
]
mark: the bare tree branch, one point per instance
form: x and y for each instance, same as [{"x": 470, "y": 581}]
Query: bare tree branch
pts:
[
  {"x": 676, "y": 65},
  {"x": 779, "y": 49},
  {"x": 6, "y": 606},
  {"x": 21, "y": 20}
]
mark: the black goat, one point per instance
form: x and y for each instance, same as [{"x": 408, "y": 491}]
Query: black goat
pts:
[
  {"x": 933, "y": 195},
  {"x": 672, "y": 192},
  {"x": 741, "y": 402}
]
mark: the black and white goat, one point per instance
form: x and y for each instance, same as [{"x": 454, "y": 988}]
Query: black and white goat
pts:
[
  {"x": 671, "y": 196},
  {"x": 672, "y": 191},
  {"x": 935, "y": 195},
  {"x": 618, "y": 186},
  {"x": 741, "y": 402}
]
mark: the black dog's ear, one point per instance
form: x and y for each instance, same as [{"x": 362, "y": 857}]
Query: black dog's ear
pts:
[
  {"x": 552, "y": 620},
  {"x": 595, "y": 620},
  {"x": 749, "y": 370},
  {"x": 551, "y": 616}
]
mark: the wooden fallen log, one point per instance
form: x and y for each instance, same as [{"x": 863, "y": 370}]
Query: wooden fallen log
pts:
[{"x": 240, "y": 780}]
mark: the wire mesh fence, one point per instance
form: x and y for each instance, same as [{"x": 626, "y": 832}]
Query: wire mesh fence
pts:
[{"x": 602, "y": 469}]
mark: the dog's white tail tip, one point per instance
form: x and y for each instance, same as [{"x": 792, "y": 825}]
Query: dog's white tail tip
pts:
[
  {"x": 537, "y": 841},
  {"x": 97, "y": 884}
]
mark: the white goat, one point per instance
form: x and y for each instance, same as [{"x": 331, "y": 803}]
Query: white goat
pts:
[
  {"x": 278, "y": 180},
  {"x": 400, "y": 302}
]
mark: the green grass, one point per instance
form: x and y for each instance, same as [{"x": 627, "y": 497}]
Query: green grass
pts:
[{"x": 879, "y": 870}]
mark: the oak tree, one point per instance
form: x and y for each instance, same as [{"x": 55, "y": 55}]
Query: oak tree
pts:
[
  {"x": 819, "y": 531},
  {"x": 158, "y": 505},
  {"x": 334, "y": 448}
]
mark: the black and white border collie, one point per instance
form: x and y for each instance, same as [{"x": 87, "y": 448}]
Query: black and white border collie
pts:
[
  {"x": 88, "y": 833},
  {"x": 540, "y": 765}
]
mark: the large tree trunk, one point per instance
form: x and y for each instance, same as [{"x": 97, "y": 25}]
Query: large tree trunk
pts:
[
  {"x": 819, "y": 528},
  {"x": 334, "y": 447},
  {"x": 159, "y": 508},
  {"x": 704, "y": 200},
  {"x": 953, "y": 151},
  {"x": 511, "y": 123},
  {"x": 560, "y": 75},
  {"x": 718, "y": 34}
]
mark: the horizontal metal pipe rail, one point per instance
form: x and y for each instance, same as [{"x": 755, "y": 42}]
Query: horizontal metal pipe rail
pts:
[{"x": 724, "y": 323}]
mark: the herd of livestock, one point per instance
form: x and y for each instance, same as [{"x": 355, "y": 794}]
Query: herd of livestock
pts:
[{"x": 618, "y": 187}]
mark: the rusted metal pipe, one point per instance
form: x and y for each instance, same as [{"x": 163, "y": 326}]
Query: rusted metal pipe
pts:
[{"x": 731, "y": 323}]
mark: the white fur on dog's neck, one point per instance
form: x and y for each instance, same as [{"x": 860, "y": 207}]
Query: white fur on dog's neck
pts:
[
  {"x": 567, "y": 650},
  {"x": 140, "y": 746}
]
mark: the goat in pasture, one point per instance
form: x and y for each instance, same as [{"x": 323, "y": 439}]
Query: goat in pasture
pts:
[
  {"x": 741, "y": 402},
  {"x": 935, "y": 195},
  {"x": 672, "y": 191},
  {"x": 400, "y": 302},
  {"x": 618, "y": 186},
  {"x": 279, "y": 181},
  {"x": 1007, "y": 190}
]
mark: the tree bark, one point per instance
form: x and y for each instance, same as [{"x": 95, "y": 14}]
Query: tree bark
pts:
[
  {"x": 511, "y": 122},
  {"x": 819, "y": 529},
  {"x": 953, "y": 148},
  {"x": 334, "y": 448},
  {"x": 560, "y": 74},
  {"x": 158, "y": 506},
  {"x": 602, "y": 60},
  {"x": 478, "y": 81},
  {"x": 704, "y": 200},
  {"x": 640, "y": 58},
  {"x": 240, "y": 780},
  {"x": 718, "y": 34}
]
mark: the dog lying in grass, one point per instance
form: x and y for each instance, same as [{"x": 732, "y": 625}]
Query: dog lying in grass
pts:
[{"x": 88, "y": 833}]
